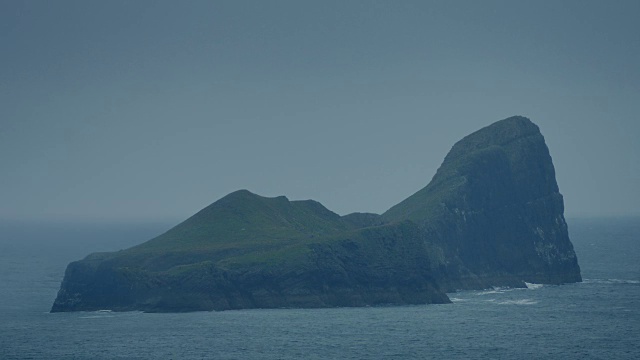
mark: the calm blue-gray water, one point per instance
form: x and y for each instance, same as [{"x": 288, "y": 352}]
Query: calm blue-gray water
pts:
[{"x": 596, "y": 319}]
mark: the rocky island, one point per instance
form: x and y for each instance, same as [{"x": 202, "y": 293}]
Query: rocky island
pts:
[{"x": 491, "y": 216}]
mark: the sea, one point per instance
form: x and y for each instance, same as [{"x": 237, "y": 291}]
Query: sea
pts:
[{"x": 596, "y": 319}]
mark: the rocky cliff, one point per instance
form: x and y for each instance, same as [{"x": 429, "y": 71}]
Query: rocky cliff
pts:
[
  {"x": 494, "y": 209},
  {"x": 491, "y": 216}
]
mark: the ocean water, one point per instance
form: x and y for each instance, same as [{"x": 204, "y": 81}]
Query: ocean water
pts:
[{"x": 596, "y": 319}]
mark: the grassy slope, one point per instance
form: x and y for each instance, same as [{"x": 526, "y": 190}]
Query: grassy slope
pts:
[{"x": 240, "y": 228}]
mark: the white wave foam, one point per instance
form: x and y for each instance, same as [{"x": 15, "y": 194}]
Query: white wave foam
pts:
[
  {"x": 96, "y": 317},
  {"x": 518, "y": 302},
  {"x": 532, "y": 286},
  {"x": 98, "y": 314},
  {"x": 611, "y": 281},
  {"x": 496, "y": 290},
  {"x": 487, "y": 292},
  {"x": 503, "y": 289},
  {"x": 454, "y": 299}
]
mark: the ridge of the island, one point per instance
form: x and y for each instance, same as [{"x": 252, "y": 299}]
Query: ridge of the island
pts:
[{"x": 491, "y": 216}]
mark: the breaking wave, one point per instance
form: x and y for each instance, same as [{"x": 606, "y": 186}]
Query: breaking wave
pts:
[
  {"x": 532, "y": 286},
  {"x": 454, "y": 299},
  {"x": 611, "y": 281},
  {"x": 496, "y": 290},
  {"x": 518, "y": 302}
]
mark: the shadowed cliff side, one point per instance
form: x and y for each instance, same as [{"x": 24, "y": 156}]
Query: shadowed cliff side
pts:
[{"x": 495, "y": 209}]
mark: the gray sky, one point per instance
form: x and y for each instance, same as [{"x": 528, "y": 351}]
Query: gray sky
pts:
[{"x": 152, "y": 110}]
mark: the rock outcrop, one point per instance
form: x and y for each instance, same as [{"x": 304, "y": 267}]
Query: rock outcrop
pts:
[
  {"x": 495, "y": 211},
  {"x": 491, "y": 216}
]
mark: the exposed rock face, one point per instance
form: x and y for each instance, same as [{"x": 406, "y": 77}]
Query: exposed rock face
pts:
[
  {"x": 491, "y": 216},
  {"x": 495, "y": 210}
]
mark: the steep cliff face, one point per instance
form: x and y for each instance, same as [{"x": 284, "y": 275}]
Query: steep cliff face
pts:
[
  {"x": 495, "y": 209},
  {"x": 491, "y": 216}
]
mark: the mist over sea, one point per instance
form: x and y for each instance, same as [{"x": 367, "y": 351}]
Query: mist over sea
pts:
[{"x": 596, "y": 319}]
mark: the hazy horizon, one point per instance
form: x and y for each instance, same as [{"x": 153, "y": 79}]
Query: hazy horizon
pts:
[{"x": 145, "y": 111}]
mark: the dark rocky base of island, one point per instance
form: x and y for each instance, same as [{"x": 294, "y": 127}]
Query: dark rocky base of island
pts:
[{"x": 491, "y": 216}]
